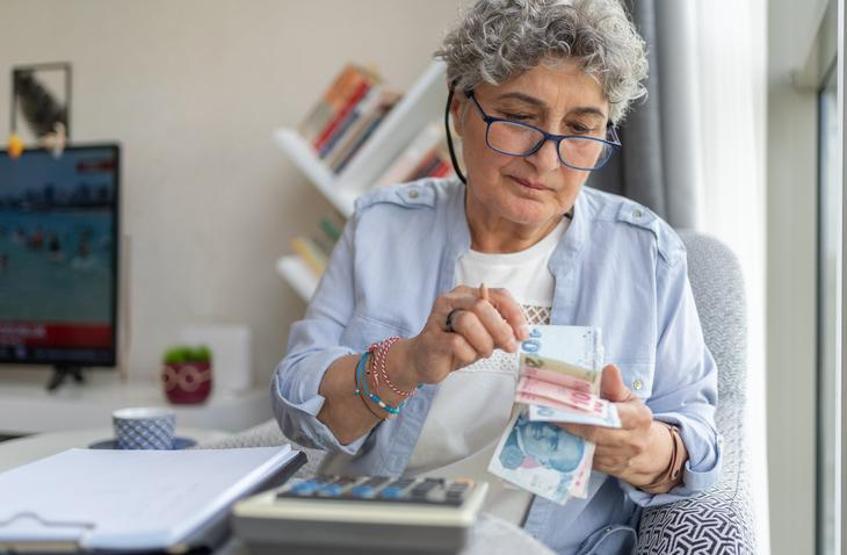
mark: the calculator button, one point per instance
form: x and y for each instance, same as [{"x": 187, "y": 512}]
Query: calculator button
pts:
[
  {"x": 423, "y": 489},
  {"x": 362, "y": 491},
  {"x": 375, "y": 482},
  {"x": 391, "y": 492},
  {"x": 304, "y": 488},
  {"x": 457, "y": 488},
  {"x": 335, "y": 487}
]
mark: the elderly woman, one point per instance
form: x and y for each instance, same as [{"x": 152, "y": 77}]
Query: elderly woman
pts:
[{"x": 536, "y": 88}]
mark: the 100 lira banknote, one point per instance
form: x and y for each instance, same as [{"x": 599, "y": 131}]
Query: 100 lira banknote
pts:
[{"x": 578, "y": 400}]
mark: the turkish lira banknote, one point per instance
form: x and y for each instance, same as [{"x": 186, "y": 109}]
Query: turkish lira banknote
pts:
[
  {"x": 545, "y": 413},
  {"x": 560, "y": 371},
  {"x": 543, "y": 459}
]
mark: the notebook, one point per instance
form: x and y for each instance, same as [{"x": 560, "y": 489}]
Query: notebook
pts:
[{"x": 116, "y": 500}]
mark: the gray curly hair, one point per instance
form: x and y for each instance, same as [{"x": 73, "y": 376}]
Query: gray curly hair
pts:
[{"x": 500, "y": 39}]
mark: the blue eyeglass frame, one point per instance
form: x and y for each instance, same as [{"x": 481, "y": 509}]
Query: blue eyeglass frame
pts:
[{"x": 615, "y": 143}]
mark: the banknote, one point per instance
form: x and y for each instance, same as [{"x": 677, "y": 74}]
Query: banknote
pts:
[
  {"x": 543, "y": 459},
  {"x": 558, "y": 378},
  {"x": 573, "y": 353},
  {"x": 544, "y": 413},
  {"x": 580, "y": 400}
]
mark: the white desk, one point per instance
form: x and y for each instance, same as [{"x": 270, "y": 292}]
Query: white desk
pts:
[
  {"x": 16, "y": 452},
  {"x": 26, "y": 407},
  {"x": 489, "y": 536}
]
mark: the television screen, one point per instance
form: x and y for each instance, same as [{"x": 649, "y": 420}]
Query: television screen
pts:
[{"x": 59, "y": 256}]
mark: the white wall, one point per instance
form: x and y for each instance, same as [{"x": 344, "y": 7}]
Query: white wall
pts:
[
  {"x": 791, "y": 320},
  {"x": 193, "y": 89}
]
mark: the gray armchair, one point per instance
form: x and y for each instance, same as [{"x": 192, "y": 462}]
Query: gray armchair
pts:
[{"x": 719, "y": 520}]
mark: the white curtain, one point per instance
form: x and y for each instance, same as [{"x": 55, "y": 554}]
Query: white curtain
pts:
[{"x": 732, "y": 77}]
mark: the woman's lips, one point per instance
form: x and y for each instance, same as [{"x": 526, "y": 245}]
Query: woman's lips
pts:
[{"x": 528, "y": 184}]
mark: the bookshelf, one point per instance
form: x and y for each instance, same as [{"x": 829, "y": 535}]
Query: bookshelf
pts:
[{"x": 422, "y": 104}]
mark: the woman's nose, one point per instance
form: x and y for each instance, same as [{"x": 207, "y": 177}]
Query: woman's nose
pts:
[{"x": 546, "y": 158}]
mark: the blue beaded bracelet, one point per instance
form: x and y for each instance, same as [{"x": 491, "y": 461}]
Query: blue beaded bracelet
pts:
[{"x": 362, "y": 388}]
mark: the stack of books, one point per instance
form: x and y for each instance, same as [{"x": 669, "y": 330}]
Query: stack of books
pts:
[
  {"x": 315, "y": 250},
  {"x": 425, "y": 156},
  {"x": 350, "y": 110}
]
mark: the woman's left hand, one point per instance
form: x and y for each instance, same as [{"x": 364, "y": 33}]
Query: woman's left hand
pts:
[{"x": 637, "y": 452}]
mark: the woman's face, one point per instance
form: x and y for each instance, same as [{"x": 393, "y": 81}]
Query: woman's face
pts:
[{"x": 529, "y": 191}]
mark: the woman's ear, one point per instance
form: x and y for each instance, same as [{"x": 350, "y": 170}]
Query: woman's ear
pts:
[{"x": 457, "y": 110}]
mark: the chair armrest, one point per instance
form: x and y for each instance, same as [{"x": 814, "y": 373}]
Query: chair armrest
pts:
[
  {"x": 268, "y": 434},
  {"x": 717, "y": 521}
]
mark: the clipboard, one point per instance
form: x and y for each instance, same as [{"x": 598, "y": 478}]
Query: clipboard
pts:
[{"x": 130, "y": 501}]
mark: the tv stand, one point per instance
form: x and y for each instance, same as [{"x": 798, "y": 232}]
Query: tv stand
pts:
[
  {"x": 61, "y": 372},
  {"x": 26, "y": 407}
]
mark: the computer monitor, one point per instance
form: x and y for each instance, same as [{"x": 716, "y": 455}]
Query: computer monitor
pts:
[{"x": 59, "y": 231}]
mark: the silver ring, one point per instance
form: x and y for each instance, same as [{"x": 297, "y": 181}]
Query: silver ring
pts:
[{"x": 449, "y": 323}]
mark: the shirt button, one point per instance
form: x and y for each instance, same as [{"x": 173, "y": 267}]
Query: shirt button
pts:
[
  {"x": 637, "y": 385},
  {"x": 637, "y": 213},
  {"x": 414, "y": 193}
]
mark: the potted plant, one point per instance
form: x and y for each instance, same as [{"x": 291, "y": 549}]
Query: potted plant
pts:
[{"x": 187, "y": 374}]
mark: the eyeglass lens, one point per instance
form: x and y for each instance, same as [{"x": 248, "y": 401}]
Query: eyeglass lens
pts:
[{"x": 520, "y": 140}]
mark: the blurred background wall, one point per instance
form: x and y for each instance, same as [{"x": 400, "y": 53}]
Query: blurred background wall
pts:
[{"x": 193, "y": 90}]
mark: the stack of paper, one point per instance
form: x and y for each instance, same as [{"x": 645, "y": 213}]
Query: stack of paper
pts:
[{"x": 130, "y": 500}]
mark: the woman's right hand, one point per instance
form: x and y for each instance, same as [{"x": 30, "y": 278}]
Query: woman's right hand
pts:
[{"x": 478, "y": 327}]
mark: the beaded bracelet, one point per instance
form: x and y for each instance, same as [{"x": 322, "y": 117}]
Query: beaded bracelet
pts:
[
  {"x": 362, "y": 388},
  {"x": 360, "y": 394},
  {"x": 379, "y": 352}
]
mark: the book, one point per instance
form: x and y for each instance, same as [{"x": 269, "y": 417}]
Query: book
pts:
[
  {"x": 115, "y": 500},
  {"x": 425, "y": 167},
  {"x": 356, "y": 89},
  {"x": 365, "y": 105},
  {"x": 372, "y": 125},
  {"x": 369, "y": 113},
  {"x": 343, "y": 119},
  {"x": 331, "y": 101},
  {"x": 331, "y": 229},
  {"x": 310, "y": 253},
  {"x": 414, "y": 153}
]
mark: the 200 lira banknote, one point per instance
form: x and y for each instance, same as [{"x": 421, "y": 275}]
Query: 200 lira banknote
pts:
[
  {"x": 570, "y": 356},
  {"x": 543, "y": 459}
]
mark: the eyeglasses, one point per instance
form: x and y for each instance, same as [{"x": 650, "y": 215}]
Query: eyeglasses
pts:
[{"x": 514, "y": 138}]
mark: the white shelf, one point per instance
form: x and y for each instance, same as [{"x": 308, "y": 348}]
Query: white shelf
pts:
[
  {"x": 26, "y": 407},
  {"x": 298, "y": 274},
  {"x": 302, "y": 154}
]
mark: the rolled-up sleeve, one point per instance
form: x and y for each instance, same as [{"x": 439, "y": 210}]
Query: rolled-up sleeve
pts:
[
  {"x": 313, "y": 345},
  {"x": 685, "y": 384}
]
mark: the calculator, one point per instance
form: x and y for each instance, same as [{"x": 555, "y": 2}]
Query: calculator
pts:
[{"x": 363, "y": 515}]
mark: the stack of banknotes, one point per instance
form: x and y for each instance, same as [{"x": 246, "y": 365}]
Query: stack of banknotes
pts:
[{"x": 559, "y": 372}]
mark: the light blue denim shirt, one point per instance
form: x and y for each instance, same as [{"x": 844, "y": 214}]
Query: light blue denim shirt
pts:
[{"x": 618, "y": 267}]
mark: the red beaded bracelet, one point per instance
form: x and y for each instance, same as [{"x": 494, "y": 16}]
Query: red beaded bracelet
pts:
[{"x": 379, "y": 354}]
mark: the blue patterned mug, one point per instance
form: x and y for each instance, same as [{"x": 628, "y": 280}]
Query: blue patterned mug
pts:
[{"x": 144, "y": 428}]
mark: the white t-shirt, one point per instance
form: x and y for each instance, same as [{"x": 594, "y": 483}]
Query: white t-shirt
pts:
[{"x": 474, "y": 404}]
